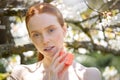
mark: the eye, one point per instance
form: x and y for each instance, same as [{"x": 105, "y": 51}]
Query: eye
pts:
[
  {"x": 51, "y": 30},
  {"x": 36, "y": 35}
]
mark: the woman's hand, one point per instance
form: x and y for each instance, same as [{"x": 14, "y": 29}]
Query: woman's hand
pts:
[{"x": 57, "y": 68}]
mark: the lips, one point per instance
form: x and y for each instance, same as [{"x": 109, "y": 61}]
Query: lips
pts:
[{"x": 49, "y": 48}]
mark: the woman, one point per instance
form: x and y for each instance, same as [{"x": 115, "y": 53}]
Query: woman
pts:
[{"x": 47, "y": 30}]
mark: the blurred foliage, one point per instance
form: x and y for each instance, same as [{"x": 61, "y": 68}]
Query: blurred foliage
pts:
[
  {"x": 3, "y": 76},
  {"x": 99, "y": 60},
  {"x": 2, "y": 68},
  {"x": 93, "y": 23}
]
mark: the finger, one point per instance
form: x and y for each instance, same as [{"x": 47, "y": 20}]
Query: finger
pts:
[
  {"x": 59, "y": 60},
  {"x": 56, "y": 55},
  {"x": 64, "y": 69},
  {"x": 60, "y": 67},
  {"x": 62, "y": 72}
]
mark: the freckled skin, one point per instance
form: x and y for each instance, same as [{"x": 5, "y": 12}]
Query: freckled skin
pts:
[{"x": 39, "y": 25}]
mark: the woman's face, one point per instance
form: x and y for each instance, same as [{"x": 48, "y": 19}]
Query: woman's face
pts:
[{"x": 46, "y": 33}]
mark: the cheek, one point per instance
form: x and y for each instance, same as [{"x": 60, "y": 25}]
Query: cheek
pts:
[
  {"x": 37, "y": 44},
  {"x": 59, "y": 39}
]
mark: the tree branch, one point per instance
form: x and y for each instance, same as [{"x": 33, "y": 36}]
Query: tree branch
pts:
[
  {"x": 95, "y": 47},
  {"x": 8, "y": 49}
]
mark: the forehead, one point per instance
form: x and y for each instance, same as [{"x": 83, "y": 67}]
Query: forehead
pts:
[{"x": 42, "y": 20}]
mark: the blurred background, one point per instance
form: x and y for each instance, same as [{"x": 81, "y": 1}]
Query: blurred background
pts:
[{"x": 93, "y": 34}]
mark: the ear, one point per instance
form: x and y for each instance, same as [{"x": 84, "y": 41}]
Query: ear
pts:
[{"x": 65, "y": 28}]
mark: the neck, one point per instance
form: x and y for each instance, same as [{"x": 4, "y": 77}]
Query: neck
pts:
[{"x": 47, "y": 62}]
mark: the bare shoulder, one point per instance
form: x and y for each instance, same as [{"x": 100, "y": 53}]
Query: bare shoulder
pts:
[
  {"x": 92, "y": 73},
  {"x": 20, "y": 70},
  {"x": 87, "y": 73}
]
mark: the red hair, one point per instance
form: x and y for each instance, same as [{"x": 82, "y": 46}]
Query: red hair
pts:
[{"x": 40, "y": 8}]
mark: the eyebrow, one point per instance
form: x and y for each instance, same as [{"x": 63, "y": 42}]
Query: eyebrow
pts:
[
  {"x": 49, "y": 26},
  {"x": 45, "y": 28}
]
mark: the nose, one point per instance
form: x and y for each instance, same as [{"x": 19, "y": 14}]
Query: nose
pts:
[{"x": 45, "y": 39}]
